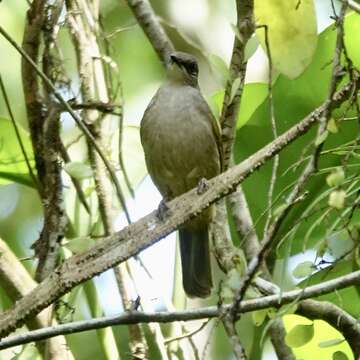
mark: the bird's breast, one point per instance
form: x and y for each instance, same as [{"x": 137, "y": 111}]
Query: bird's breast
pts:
[{"x": 178, "y": 139}]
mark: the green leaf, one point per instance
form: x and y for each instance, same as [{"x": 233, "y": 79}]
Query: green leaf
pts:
[
  {"x": 332, "y": 126},
  {"x": 23, "y": 179},
  {"x": 259, "y": 316},
  {"x": 250, "y": 48},
  {"x": 253, "y": 96},
  {"x": 272, "y": 313},
  {"x": 292, "y": 33},
  {"x": 215, "y": 102},
  {"x": 78, "y": 170},
  {"x": 352, "y": 27},
  {"x": 299, "y": 335},
  {"x": 13, "y": 167},
  {"x": 293, "y": 100},
  {"x": 303, "y": 269},
  {"x": 251, "y": 45},
  {"x": 339, "y": 355},
  {"x": 329, "y": 343}
]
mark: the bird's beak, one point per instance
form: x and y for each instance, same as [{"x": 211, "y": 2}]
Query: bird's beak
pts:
[{"x": 174, "y": 59}]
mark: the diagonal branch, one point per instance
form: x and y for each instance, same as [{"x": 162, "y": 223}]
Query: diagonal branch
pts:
[
  {"x": 148, "y": 21},
  {"x": 149, "y": 230}
]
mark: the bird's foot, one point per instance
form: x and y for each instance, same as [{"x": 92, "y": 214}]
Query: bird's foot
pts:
[
  {"x": 202, "y": 186},
  {"x": 135, "y": 304},
  {"x": 163, "y": 211}
]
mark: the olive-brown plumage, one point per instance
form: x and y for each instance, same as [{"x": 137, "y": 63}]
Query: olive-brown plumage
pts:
[{"x": 180, "y": 140}]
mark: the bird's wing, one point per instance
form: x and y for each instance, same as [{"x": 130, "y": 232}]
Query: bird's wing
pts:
[{"x": 205, "y": 109}]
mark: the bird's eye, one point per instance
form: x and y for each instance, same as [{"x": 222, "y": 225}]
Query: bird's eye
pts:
[{"x": 192, "y": 69}]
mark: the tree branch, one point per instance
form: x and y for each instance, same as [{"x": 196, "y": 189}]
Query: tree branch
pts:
[
  {"x": 336, "y": 317},
  {"x": 149, "y": 230},
  {"x": 353, "y": 5},
  {"x": 133, "y": 317},
  {"x": 148, "y": 21}
]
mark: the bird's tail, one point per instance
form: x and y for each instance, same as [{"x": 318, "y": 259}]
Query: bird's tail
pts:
[{"x": 195, "y": 261}]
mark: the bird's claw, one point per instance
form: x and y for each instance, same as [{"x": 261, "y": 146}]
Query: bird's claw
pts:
[
  {"x": 202, "y": 186},
  {"x": 163, "y": 211}
]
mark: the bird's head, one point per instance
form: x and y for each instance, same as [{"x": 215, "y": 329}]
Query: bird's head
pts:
[{"x": 183, "y": 68}]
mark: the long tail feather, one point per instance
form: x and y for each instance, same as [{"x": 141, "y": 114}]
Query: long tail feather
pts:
[{"x": 195, "y": 261}]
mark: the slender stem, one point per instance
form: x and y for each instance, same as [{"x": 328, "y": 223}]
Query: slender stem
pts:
[{"x": 133, "y": 317}]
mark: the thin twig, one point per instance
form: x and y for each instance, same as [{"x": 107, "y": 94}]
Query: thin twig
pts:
[
  {"x": 188, "y": 334},
  {"x": 273, "y": 128}
]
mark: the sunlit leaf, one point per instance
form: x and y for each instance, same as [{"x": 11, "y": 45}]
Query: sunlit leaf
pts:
[
  {"x": 251, "y": 47},
  {"x": 253, "y": 96},
  {"x": 339, "y": 355},
  {"x": 272, "y": 312},
  {"x": 292, "y": 33},
  {"x": 299, "y": 335},
  {"x": 332, "y": 126},
  {"x": 259, "y": 316},
  {"x": 352, "y": 31}
]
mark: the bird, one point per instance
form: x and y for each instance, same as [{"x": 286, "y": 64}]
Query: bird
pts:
[{"x": 181, "y": 142}]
